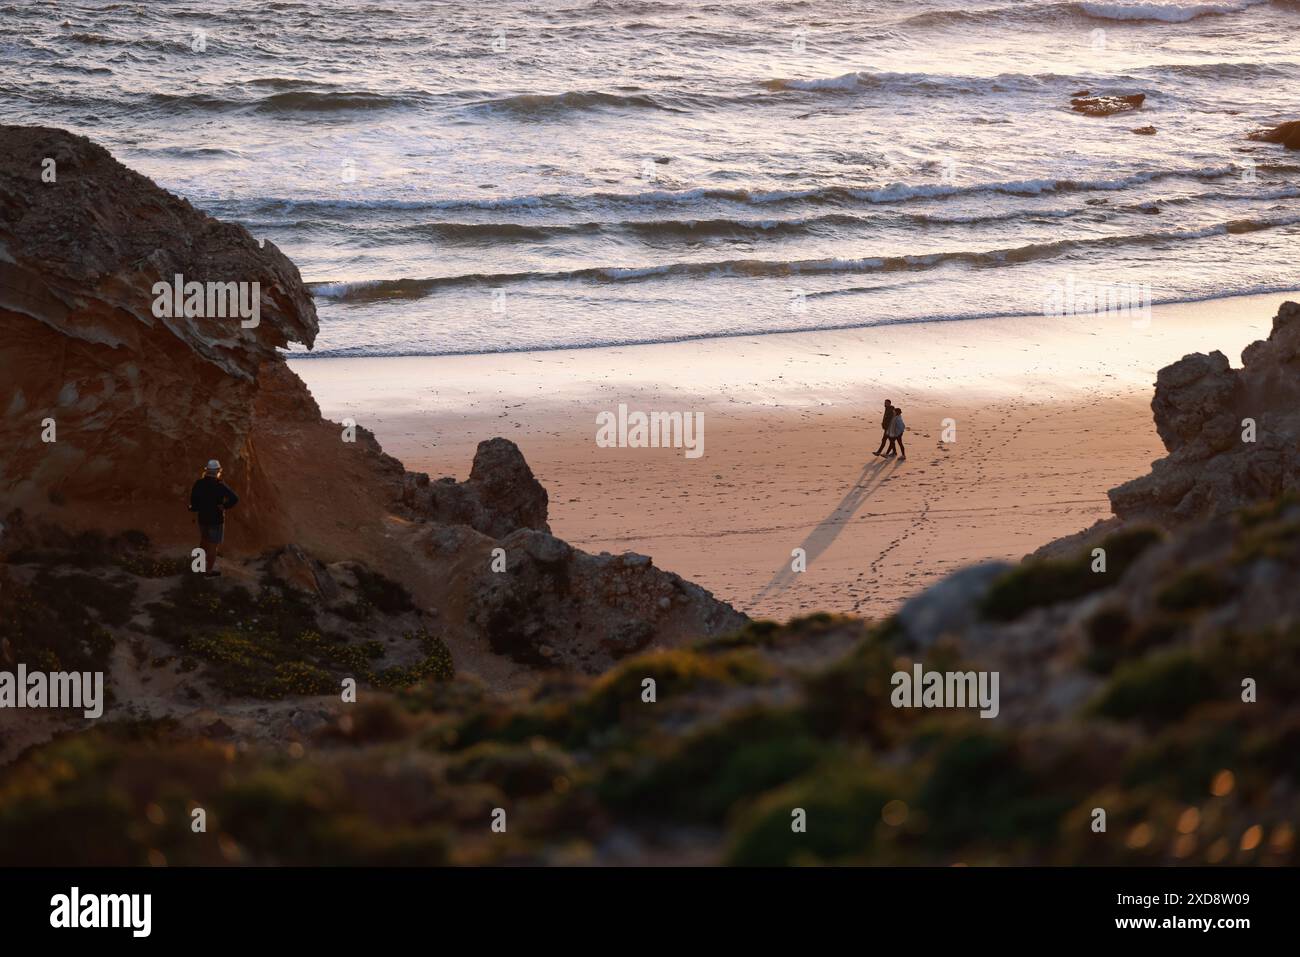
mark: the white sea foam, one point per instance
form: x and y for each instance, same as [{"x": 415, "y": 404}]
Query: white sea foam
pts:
[
  {"x": 619, "y": 173},
  {"x": 1166, "y": 12}
]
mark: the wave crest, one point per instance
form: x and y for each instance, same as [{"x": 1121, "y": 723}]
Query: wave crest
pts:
[
  {"x": 543, "y": 104},
  {"x": 380, "y": 289},
  {"x": 1164, "y": 12}
]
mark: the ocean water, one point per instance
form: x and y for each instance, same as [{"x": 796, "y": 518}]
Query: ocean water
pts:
[{"x": 465, "y": 176}]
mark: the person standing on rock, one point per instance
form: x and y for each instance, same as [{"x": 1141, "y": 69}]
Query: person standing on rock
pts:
[
  {"x": 895, "y": 431},
  {"x": 884, "y": 426},
  {"x": 210, "y": 497}
]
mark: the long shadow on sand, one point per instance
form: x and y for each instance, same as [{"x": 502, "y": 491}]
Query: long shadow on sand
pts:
[{"x": 873, "y": 475}]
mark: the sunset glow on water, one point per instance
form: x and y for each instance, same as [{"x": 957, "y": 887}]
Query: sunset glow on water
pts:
[{"x": 463, "y": 177}]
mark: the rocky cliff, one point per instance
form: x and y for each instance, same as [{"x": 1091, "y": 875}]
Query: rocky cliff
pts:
[
  {"x": 110, "y": 410},
  {"x": 115, "y": 392},
  {"x": 1233, "y": 435}
]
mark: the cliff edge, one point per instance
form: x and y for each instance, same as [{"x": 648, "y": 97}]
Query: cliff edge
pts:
[{"x": 139, "y": 338}]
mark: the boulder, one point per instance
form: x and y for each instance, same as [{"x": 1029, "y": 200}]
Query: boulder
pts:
[
  {"x": 500, "y": 496},
  {"x": 1233, "y": 435},
  {"x": 1189, "y": 393},
  {"x": 554, "y": 606},
  {"x": 506, "y": 488},
  {"x": 948, "y": 607},
  {"x": 1107, "y": 105},
  {"x": 1288, "y": 135}
]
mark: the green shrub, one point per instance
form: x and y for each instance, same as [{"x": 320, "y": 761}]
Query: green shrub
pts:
[
  {"x": 755, "y": 634},
  {"x": 1042, "y": 582},
  {"x": 980, "y": 792},
  {"x": 1158, "y": 688},
  {"x": 1202, "y": 587},
  {"x": 842, "y": 802},
  {"x": 518, "y": 771},
  {"x": 615, "y": 699},
  {"x": 703, "y": 776},
  {"x": 54, "y": 623},
  {"x": 437, "y": 664},
  {"x": 1113, "y": 637},
  {"x": 852, "y": 696}
]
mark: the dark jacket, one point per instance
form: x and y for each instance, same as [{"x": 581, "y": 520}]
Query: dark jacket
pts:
[
  {"x": 210, "y": 497},
  {"x": 889, "y": 417}
]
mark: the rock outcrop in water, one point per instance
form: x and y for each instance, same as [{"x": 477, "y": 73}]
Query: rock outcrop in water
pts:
[
  {"x": 1287, "y": 134},
  {"x": 1233, "y": 435},
  {"x": 110, "y": 403},
  {"x": 1107, "y": 105}
]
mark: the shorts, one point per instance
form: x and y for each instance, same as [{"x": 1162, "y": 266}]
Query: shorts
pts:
[{"x": 212, "y": 533}]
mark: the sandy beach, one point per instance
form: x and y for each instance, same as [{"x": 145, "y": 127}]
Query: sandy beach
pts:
[{"x": 1048, "y": 415}]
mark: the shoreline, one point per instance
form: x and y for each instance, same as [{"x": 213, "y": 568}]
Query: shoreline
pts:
[
  {"x": 1047, "y": 415},
  {"x": 301, "y": 353}
]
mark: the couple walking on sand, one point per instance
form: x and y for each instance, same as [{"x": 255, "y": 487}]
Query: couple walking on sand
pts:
[{"x": 893, "y": 427}]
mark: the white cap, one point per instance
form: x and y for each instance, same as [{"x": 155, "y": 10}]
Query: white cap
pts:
[{"x": 214, "y": 465}]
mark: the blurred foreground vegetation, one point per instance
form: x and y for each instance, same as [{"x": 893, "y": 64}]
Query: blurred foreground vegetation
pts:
[{"x": 747, "y": 729}]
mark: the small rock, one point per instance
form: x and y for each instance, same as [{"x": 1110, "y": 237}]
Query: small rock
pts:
[
  {"x": 950, "y": 605},
  {"x": 293, "y": 567},
  {"x": 547, "y": 549},
  {"x": 1107, "y": 105}
]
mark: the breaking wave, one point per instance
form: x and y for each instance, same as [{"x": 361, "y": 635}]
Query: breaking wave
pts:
[{"x": 381, "y": 289}]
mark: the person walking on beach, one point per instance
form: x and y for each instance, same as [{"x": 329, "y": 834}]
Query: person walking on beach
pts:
[
  {"x": 884, "y": 426},
  {"x": 210, "y": 497},
  {"x": 896, "y": 429}
]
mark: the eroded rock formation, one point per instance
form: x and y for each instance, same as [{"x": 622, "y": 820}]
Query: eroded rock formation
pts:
[
  {"x": 135, "y": 398},
  {"x": 543, "y": 602},
  {"x": 136, "y": 402},
  {"x": 1233, "y": 435},
  {"x": 500, "y": 496}
]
